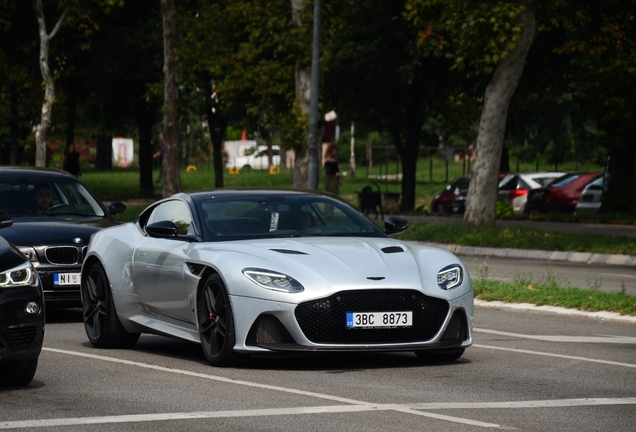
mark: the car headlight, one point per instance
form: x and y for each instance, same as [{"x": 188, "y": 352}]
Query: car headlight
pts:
[
  {"x": 272, "y": 280},
  {"x": 449, "y": 277},
  {"x": 22, "y": 275},
  {"x": 29, "y": 253}
]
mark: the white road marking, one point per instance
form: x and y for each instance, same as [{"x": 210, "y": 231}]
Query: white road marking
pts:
[
  {"x": 584, "y": 339},
  {"x": 228, "y": 414},
  {"x": 608, "y": 362},
  {"x": 551, "y": 403},
  {"x": 351, "y": 406},
  {"x": 364, "y": 406}
]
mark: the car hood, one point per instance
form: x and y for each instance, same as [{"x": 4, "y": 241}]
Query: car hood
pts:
[
  {"x": 10, "y": 257},
  {"x": 334, "y": 263},
  {"x": 51, "y": 231}
]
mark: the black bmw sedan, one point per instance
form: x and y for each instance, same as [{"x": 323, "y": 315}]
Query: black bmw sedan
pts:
[
  {"x": 21, "y": 314},
  {"x": 54, "y": 215}
]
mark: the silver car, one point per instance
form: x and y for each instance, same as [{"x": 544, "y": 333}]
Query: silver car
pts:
[
  {"x": 258, "y": 272},
  {"x": 514, "y": 188}
]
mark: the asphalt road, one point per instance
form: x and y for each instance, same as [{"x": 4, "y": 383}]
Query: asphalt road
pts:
[{"x": 527, "y": 371}]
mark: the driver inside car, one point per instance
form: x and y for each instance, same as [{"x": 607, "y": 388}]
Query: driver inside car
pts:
[{"x": 42, "y": 195}]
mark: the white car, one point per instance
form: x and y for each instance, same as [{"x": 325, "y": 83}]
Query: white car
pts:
[
  {"x": 257, "y": 272},
  {"x": 514, "y": 188},
  {"x": 590, "y": 199},
  {"x": 257, "y": 160}
]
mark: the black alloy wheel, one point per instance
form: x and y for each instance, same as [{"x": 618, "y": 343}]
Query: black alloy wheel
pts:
[
  {"x": 100, "y": 319},
  {"x": 216, "y": 323}
]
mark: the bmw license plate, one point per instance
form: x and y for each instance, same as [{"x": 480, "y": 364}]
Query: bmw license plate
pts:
[
  {"x": 66, "y": 278},
  {"x": 379, "y": 319}
]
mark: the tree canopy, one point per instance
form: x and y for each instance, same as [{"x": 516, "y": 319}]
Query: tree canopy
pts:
[{"x": 411, "y": 70}]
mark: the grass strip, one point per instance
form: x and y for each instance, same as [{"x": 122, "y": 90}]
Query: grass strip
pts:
[
  {"x": 519, "y": 238},
  {"x": 573, "y": 298}
]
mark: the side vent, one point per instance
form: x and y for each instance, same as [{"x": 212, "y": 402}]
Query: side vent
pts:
[
  {"x": 196, "y": 269},
  {"x": 392, "y": 249}
]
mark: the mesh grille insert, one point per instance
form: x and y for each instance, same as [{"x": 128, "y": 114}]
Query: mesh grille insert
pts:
[
  {"x": 324, "y": 321},
  {"x": 62, "y": 255}
]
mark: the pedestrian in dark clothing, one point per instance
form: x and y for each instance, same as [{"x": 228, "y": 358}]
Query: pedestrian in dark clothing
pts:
[
  {"x": 71, "y": 162},
  {"x": 332, "y": 171}
]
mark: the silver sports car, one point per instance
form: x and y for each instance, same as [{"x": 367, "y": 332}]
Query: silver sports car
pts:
[{"x": 270, "y": 271}]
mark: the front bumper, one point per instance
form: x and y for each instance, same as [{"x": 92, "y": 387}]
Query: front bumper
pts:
[
  {"x": 267, "y": 326},
  {"x": 21, "y": 334}
]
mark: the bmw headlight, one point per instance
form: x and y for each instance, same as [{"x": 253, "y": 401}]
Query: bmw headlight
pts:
[
  {"x": 22, "y": 275},
  {"x": 272, "y": 280},
  {"x": 29, "y": 253},
  {"x": 449, "y": 277}
]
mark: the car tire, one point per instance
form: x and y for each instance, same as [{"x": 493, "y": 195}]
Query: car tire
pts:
[
  {"x": 440, "y": 355},
  {"x": 438, "y": 209},
  {"x": 17, "y": 373},
  {"x": 216, "y": 323},
  {"x": 100, "y": 318}
]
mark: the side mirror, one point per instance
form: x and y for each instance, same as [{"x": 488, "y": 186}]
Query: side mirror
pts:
[
  {"x": 5, "y": 219},
  {"x": 163, "y": 229},
  {"x": 116, "y": 207},
  {"x": 394, "y": 225}
]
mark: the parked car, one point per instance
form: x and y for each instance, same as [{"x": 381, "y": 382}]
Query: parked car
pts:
[
  {"x": 21, "y": 314},
  {"x": 514, "y": 189},
  {"x": 444, "y": 200},
  {"x": 54, "y": 215},
  {"x": 561, "y": 195},
  {"x": 453, "y": 198},
  {"x": 590, "y": 200},
  {"x": 257, "y": 160},
  {"x": 257, "y": 272}
]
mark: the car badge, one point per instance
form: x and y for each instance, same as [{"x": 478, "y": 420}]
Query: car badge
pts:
[{"x": 77, "y": 240}]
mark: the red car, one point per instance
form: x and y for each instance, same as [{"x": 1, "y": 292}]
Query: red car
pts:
[
  {"x": 452, "y": 199},
  {"x": 561, "y": 195}
]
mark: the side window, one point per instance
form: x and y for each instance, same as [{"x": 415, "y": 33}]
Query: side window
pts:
[
  {"x": 462, "y": 183},
  {"x": 175, "y": 211},
  {"x": 510, "y": 184}
]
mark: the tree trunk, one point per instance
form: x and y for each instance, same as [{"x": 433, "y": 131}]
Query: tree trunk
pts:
[
  {"x": 482, "y": 192},
  {"x": 14, "y": 126},
  {"x": 303, "y": 92},
  {"x": 171, "y": 170},
  {"x": 104, "y": 153},
  {"x": 412, "y": 137},
  {"x": 145, "y": 113},
  {"x": 49, "y": 84}
]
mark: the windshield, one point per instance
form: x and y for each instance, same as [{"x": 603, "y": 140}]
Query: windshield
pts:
[
  {"x": 291, "y": 215},
  {"x": 22, "y": 197}
]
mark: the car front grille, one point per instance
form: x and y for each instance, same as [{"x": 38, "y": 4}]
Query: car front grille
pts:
[
  {"x": 324, "y": 321},
  {"x": 62, "y": 255},
  {"x": 21, "y": 336}
]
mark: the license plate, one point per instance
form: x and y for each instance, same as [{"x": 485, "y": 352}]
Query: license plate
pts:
[
  {"x": 66, "y": 278},
  {"x": 379, "y": 319}
]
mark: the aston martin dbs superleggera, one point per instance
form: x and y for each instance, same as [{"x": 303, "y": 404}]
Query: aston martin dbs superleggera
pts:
[{"x": 245, "y": 272}]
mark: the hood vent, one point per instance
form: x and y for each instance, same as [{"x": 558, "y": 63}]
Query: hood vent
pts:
[
  {"x": 392, "y": 249},
  {"x": 289, "y": 251},
  {"x": 375, "y": 277}
]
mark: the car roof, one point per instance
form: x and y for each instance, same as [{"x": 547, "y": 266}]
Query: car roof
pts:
[{"x": 34, "y": 172}]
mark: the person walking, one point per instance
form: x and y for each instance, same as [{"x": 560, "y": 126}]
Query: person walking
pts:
[
  {"x": 70, "y": 161},
  {"x": 332, "y": 171}
]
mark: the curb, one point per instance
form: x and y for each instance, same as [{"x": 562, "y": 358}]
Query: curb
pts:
[
  {"x": 579, "y": 257},
  {"x": 601, "y": 315}
]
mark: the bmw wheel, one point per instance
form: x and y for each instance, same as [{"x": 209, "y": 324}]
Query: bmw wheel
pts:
[
  {"x": 216, "y": 323},
  {"x": 440, "y": 355},
  {"x": 100, "y": 318},
  {"x": 17, "y": 373}
]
